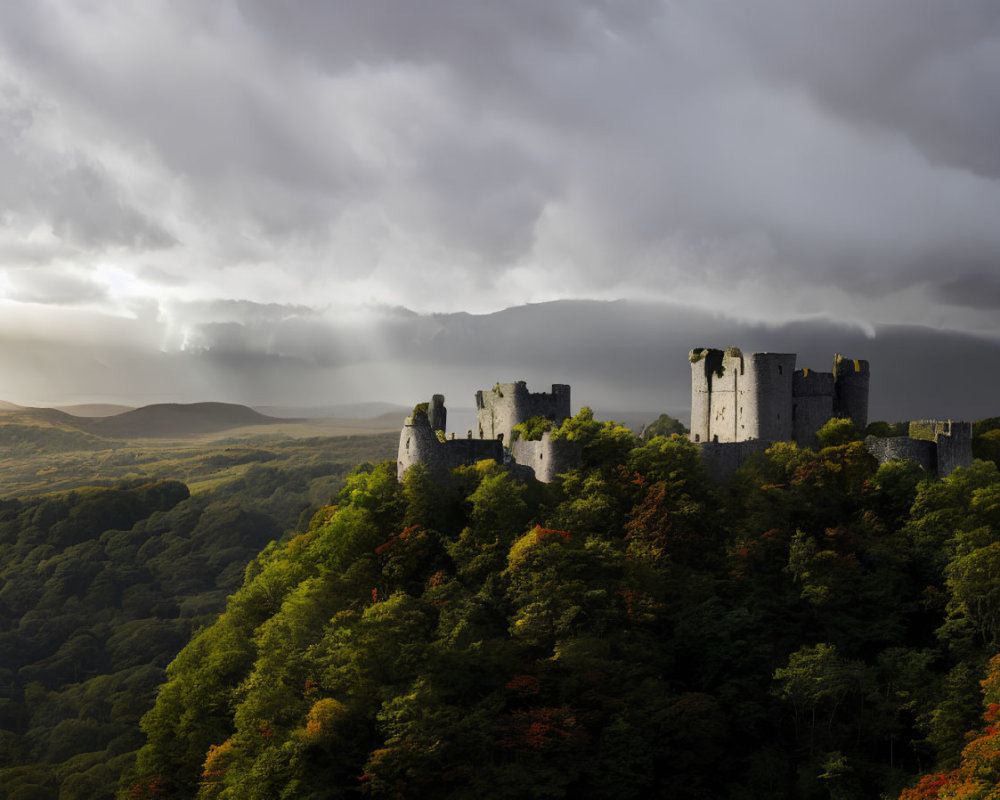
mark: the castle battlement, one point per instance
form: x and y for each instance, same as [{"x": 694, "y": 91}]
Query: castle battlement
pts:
[
  {"x": 739, "y": 397},
  {"x": 508, "y": 404},
  {"x": 423, "y": 440},
  {"x": 741, "y": 403}
]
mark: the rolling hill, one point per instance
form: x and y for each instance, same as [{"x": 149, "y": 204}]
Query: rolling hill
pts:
[
  {"x": 94, "y": 409},
  {"x": 166, "y": 420}
]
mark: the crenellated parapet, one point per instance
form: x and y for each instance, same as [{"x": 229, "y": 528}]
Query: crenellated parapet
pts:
[
  {"x": 508, "y": 404},
  {"x": 761, "y": 397},
  {"x": 423, "y": 439},
  {"x": 419, "y": 444}
]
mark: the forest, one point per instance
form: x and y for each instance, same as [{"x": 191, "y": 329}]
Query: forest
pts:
[
  {"x": 820, "y": 627},
  {"x": 101, "y": 586}
]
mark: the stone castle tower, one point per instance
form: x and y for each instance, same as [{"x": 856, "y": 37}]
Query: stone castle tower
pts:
[
  {"x": 508, "y": 404},
  {"x": 423, "y": 439},
  {"x": 737, "y": 397}
]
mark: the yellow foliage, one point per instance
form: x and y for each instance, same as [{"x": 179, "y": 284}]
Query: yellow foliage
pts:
[
  {"x": 217, "y": 763},
  {"x": 322, "y": 719},
  {"x": 537, "y": 535}
]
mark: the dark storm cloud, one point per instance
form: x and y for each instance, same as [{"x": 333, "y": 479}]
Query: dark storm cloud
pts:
[
  {"x": 921, "y": 68},
  {"x": 633, "y": 356},
  {"x": 618, "y": 357},
  {"x": 87, "y": 210},
  {"x": 623, "y": 148},
  {"x": 973, "y": 291},
  {"x": 73, "y": 195},
  {"x": 786, "y": 125}
]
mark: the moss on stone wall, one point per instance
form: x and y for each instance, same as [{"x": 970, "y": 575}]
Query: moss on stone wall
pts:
[
  {"x": 419, "y": 408},
  {"x": 531, "y": 429},
  {"x": 922, "y": 430}
]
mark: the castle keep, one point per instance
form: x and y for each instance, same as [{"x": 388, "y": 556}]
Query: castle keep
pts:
[
  {"x": 423, "y": 439},
  {"x": 508, "y": 404},
  {"x": 761, "y": 396},
  {"x": 741, "y": 403}
]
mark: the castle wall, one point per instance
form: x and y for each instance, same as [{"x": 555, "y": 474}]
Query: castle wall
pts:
[
  {"x": 741, "y": 403},
  {"x": 722, "y": 459},
  {"x": 812, "y": 404},
  {"x": 498, "y": 410},
  {"x": 954, "y": 451},
  {"x": 546, "y": 458},
  {"x": 851, "y": 378},
  {"x": 418, "y": 444},
  {"x": 952, "y": 439},
  {"x": 704, "y": 363},
  {"x": 899, "y": 448},
  {"x": 508, "y": 404},
  {"x": 715, "y": 382},
  {"x": 724, "y": 421}
]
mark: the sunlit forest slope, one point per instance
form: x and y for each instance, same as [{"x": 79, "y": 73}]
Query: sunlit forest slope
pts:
[
  {"x": 101, "y": 587},
  {"x": 819, "y": 628}
]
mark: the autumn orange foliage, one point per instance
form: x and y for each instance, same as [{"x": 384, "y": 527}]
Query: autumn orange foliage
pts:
[{"x": 978, "y": 776}]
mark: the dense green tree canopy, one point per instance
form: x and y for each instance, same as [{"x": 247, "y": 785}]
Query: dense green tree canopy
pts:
[{"x": 815, "y": 629}]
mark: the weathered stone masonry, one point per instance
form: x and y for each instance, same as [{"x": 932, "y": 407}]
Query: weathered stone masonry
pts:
[
  {"x": 736, "y": 397},
  {"x": 741, "y": 403},
  {"x": 936, "y": 445},
  {"x": 508, "y": 404},
  {"x": 499, "y": 410}
]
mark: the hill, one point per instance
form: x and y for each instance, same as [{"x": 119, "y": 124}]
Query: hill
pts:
[
  {"x": 167, "y": 420},
  {"x": 94, "y": 409},
  {"x": 816, "y": 629},
  {"x": 36, "y": 431}
]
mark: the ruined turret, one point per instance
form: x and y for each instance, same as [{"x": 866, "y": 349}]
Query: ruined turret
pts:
[
  {"x": 423, "y": 439},
  {"x": 851, "y": 378}
]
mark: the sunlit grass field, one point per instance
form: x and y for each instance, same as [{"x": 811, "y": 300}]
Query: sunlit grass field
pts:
[{"x": 39, "y": 455}]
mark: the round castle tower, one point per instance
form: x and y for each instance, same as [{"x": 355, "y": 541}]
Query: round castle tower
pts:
[
  {"x": 851, "y": 378},
  {"x": 737, "y": 397},
  {"x": 417, "y": 443}
]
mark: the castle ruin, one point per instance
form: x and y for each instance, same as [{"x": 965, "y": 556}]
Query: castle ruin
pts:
[
  {"x": 742, "y": 403},
  {"x": 761, "y": 396},
  {"x": 423, "y": 439},
  {"x": 936, "y": 445}
]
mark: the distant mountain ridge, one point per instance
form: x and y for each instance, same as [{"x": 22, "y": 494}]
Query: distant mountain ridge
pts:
[
  {"x": 157, "y": 421},
  {"x": 94, "y": 409},
  {"x": 163, "y": 420}
]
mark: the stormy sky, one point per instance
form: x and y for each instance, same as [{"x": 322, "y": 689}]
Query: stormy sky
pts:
[{"x": 313, "y": 202}]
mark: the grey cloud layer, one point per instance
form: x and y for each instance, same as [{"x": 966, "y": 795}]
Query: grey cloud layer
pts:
[
  {"x": 619, "y": 356},
  {"x": 771, "y": 159}
]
